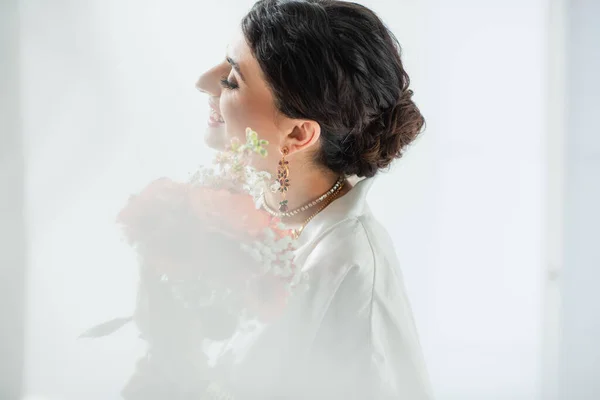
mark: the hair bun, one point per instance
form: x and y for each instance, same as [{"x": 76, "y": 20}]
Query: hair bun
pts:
[{"x": 385, "y": 137}]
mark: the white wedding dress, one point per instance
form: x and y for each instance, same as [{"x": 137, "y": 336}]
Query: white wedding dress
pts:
[{"x": 351, "y": 335}]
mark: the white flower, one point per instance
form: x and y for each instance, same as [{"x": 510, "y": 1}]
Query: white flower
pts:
[
  {"x": 277, "y": 271},
  {"x": 263, "y": 176},
  {"x": 269, "y": 255},
  {"x": 286, "y": 270},
  {"x": 258, "y": 202},
  {"x": 282, "y": 244},
  {"x": 298, "y": 276},
  {"x": 269, "y": 236},
  {"x": 266, "y": 266},
  {"x": 253, "y": 252},
  {"x": 275, "y": 186}
]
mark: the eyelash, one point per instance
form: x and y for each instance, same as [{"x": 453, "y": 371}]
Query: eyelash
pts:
[{"x": 227, "y": 84}]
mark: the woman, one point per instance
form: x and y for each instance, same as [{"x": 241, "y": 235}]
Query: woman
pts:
[{"x": 323, "y": 82}]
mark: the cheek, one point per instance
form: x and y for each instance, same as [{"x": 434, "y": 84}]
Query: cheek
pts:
[
  {"x": 269, "y": 163},
  {"x": 232, "y": 111},
  {"x": 240, "y": 113}
]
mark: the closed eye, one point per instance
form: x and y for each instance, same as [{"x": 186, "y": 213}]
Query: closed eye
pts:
[{"x": 227, "y": 84}]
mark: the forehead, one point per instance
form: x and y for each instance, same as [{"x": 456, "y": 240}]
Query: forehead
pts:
[
  {"x": 255, "y": 82},
  {"x": 240, "y": 52}
]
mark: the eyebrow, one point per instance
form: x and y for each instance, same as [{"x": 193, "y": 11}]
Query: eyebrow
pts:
[{"x": 236, "y": 66}]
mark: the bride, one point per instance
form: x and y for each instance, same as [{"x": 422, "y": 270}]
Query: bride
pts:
[{"x": 323, "y": 82}]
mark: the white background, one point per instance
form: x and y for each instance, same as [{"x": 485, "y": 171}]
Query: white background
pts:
[{"x": 110, "y": 104}]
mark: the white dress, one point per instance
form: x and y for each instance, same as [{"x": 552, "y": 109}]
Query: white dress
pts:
[{"x": 351, "y": 335}]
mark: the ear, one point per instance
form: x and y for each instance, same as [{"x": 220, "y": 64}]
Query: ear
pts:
[{"x": 304, "y": 134}]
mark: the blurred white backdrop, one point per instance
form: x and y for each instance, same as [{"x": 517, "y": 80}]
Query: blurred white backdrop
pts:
[{"x": 109, "y": 104}]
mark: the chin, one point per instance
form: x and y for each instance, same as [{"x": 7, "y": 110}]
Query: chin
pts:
[{"x": 216, "y": 137}]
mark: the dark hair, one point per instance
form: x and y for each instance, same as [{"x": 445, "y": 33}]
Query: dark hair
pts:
[{"x": 336, "y": 63}]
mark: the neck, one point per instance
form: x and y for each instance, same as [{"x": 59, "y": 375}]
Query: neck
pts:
[{"x": 305, "y": 186}]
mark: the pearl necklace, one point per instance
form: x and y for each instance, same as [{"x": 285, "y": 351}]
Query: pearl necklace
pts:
[
  {"x": 296, "y": 232},
  {"x": 287, "y": 214}
]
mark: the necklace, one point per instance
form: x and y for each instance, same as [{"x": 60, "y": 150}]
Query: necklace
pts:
[
  {"x": 296, "y": 232},
  {"x": 279, "y": 214}
]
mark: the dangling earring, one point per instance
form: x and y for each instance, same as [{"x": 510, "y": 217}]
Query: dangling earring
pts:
[{"x": 283, "y": 178}]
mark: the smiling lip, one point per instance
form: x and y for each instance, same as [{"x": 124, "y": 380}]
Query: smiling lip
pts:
[{"x": 215, "y": 118}]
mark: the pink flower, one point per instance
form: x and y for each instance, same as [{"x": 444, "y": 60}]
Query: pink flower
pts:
[{"x": 191, "y": 232}]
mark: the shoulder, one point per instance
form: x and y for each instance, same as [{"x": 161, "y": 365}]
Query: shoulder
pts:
[
  {"x": 346, "y": 253},
  {"x": 344, "y": 250},
  {"x": 348, "y": 239},
  {"x": 345, "y": 234},
  {"x": 355, "y": 264},
  {"x": 341, "y": 264},
  {"x": 353, "y": 245}
]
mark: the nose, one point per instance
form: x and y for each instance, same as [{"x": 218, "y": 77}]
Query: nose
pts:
[{"x": 209, "y": 82}]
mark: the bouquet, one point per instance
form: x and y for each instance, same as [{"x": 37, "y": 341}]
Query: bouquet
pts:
[{"x": 211, "y": 264}]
